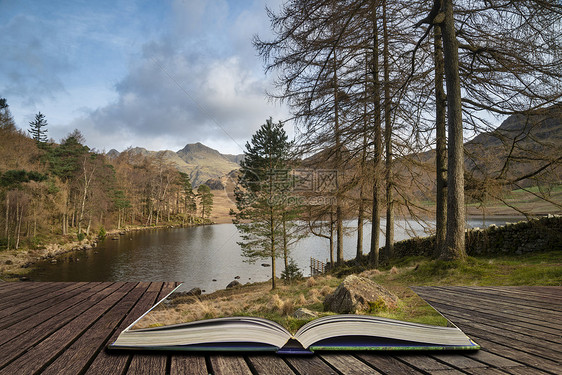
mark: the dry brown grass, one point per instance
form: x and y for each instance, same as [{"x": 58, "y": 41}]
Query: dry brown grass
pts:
[
  {"x": 221, "y": 207},
  {"x": 258, "y": 300}
]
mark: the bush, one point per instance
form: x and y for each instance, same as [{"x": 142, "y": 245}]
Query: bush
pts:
[
  {"x": 102, "y": 234},
  {"x": 34, "y": 242},
  {"x": 292, "y": 272},
  {"x": 81, "y": 236}
]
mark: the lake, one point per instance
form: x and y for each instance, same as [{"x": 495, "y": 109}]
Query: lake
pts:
[{"x": 207, "y": 257}]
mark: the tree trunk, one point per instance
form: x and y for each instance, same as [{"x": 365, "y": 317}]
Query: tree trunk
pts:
[
  {"x": 19, "y": 218},
  {"x": 389, "y": 244},
  {"x": 359, "y": 252},
  {"x": 7, "y": 227},
  {"x": 89, "y": 225},
  {"x": 455, "y": 246},
  {"x": 332, "y": 236},
  {"x": 361, "y": 208},
  {"x": 285, "y": 245},
  {"x": 87, "y": 181},
  {"x": 272, "y": 238},
  {"x": 441, "y": 145},
  {"x": 376, "y": 209},
  {"x": 339, "y": 213}
]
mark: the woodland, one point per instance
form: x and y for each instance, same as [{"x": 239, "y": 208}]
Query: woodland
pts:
[{"x": 57, "y": 192}]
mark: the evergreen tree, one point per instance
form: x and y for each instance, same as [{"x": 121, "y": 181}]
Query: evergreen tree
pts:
[
  {"x": 190, "y": 205},
  {"x": 6, "y": 119},
  {"x": 37, "y": 128},
  {"x": 206, "y": 198},
  {"x": 265, "y": 213}
]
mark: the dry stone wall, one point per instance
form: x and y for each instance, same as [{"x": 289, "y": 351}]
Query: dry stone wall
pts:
[{"x": 543, "y": 234}]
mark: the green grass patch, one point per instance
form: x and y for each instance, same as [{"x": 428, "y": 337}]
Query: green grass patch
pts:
[{"x": 533, "y": 269}]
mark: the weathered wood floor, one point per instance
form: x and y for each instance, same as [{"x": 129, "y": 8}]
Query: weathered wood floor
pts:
[{"x": 63, "y": 328}]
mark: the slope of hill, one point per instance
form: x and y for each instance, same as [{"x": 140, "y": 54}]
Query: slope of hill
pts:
[
  {"x": 197, "y": 160},
  {"x": 520, "y": 146},
  {"x": 524, "y": 152}
]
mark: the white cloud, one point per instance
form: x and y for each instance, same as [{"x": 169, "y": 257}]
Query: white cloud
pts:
[{"x": 189, "y": 86}]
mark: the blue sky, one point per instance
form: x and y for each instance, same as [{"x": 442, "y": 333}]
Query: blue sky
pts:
[{"x": 154, "y": 74}]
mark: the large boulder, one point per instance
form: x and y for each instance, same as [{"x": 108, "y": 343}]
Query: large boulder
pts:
[
  {"x": 304, "y": 313},
  {"x": 233, "y": 284},
  {"x": 356, "y": 294},
  {"x": 193, "y": 292}
]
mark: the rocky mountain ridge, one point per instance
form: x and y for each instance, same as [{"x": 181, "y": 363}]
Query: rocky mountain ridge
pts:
[{"x": 200, "y": 162}]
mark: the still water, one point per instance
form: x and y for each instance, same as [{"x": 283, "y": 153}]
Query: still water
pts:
[{"x": 207, "y": 257}]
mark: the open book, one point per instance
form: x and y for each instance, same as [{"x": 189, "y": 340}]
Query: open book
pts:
[{"x": 248, "y": 333}]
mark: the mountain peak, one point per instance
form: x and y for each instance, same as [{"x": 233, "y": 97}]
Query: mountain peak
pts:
[{"x": 197, "y": 148}]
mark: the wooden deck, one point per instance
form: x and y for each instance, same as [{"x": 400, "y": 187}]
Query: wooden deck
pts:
[{"x": 63, "y": 328}]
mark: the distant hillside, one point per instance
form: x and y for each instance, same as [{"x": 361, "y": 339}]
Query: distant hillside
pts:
[
  {"x": 529, "y": 142},
  {"x": 519, "y": 147},
  {"x": 544, "y": 125},
  {"x": 199, "y": 161}
]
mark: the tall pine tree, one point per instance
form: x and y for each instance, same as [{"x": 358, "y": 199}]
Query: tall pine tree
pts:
[
  {"x": 265, "y": 212},
  {"x": 38, "y": 128}
]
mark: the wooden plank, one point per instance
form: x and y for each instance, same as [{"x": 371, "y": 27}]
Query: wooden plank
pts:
[
  {"x": 148, "y": 364},
  {"x": 525, "y": 371},
  {"x": 486, "y": 371},
  {"x": 516, "y": 311},
  {"x": 519, "y": 342},
  {"x": 10, "y": 290},
  {"x": 229, "y": 364},
  {"x": 142, "y": 360},
  {"x": 36, "y": 307},
  {"x": 28, "y": 294},
  {"x": 47, "y": 350},
  {"x": 20, "y": 327},
  {"x": 310, "y": 365},
  {"x": 496, "y": 315},
  {"x": 189, "y": 364},
  {"x": 471, "y": 297},
  {"x": 55, "y": 290},
  {"x": 23, "y": 341},
  {"x": 387, "y": 364},
  {"x": 269, "y": 364},
  {"x": 536, "y": 293},
  {"x": 528, "y": 293},
  {"x": 543, "y": 291},
  {"x": 496, "y": 325},
  {"x": 509, "y": 312},
  {"x": 491, "y": 359},
  {"x": 118, "y": 361},
  {"x": 513, "y": 296},
  {"x": 526, "y": 359},
  {"x": 423, "y": 362},
  {"x": 75, "y": 358},
  {"x": 459, "y": 361},
  {"x": 347, "y": 364}
]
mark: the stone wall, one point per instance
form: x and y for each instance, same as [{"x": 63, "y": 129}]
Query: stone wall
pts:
[{"x": 536, "y": 235}]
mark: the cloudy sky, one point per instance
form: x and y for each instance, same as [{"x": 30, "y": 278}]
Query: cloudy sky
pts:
[{"x": 154, "y": 74}]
